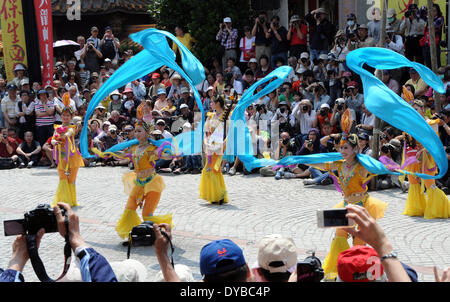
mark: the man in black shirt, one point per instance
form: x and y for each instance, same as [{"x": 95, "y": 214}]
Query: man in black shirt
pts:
[
  {"x": 259, "y": 31},
  {"x": 321, "y": 32},
  {"x": 29, "y": 151},
  {"x": 280, "y": 44}
]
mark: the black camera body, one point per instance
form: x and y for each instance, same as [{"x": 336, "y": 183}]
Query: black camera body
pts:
[
  {"x": 142, "y": 234},
  {"x": 310, "y": 144},
  {"x": 41, "y": 217},
  {"x": 310, "y": 270}
]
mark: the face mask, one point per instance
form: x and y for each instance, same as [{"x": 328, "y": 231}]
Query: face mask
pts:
[
  {"x": 115, "y": 97},
  {"x": 350, "y": 23},
  {"x": 82, "y": 66},
  {"x": 390, "y": 20}
]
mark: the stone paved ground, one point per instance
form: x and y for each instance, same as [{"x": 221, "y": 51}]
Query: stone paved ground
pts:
[{"x": 258, "y": 206}]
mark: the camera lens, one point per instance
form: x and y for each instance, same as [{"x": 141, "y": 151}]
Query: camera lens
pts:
[
  {"x": 305, "y": 108},
  {"x": 340, "y": 107}
]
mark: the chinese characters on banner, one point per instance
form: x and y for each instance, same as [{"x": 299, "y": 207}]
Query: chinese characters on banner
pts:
[
  {"x": 13, "y": 34},
  {"x": 43, "y": 9}
]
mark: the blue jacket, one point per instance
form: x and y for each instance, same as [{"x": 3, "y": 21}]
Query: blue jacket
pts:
[{"x": 93, "y": 266}]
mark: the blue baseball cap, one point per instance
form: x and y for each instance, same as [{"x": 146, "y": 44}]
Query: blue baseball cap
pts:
[
  {"x": 161, "y": 91},
  {"x": 217, "y": 251}
]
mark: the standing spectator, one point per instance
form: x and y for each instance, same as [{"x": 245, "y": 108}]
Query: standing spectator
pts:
[
  {"x": 425, "y": 43},
  {"x": 227, "y": 37},
  {"x": 185, "y": 38},
  {"x": 413, "y": 27},
  {"x": 352, "y": 25},
  {"x": 82, "y": 41},
  {"x": 259, "y": 31},
  {"x": 297, "y": 36},
  {"x": 44, "y": 109},
  {"x": 321, "y": 32},
  {"x": 94, "y": 37},
  {"x": 91, "y": 57},
  {"x": 278, "y": 37},
  {"x": 375, "y": 27},
  {"x": 25, "y": 122},
  {"x": 19, "y": 74},
  {"x": 393, "y": 22},
  {"x": 9, "y": 106},
  {"x": 247, "y": 46},
  {"x": 29, "y": 151},
  {"x": 110, "y": 45}
]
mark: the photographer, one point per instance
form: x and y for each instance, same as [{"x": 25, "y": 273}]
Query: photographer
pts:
[
  {"x": 259, "y": 31},
  {"x": 321, "y": 32},
  {"x": 282, "y": 116},
  {"x": 318, "y": 94},
  {"x": 297, "y": 36},
  {"x": 94, "y": 267},
  {"x": 362, "y": 39},
  {"x": 413, "y": 27},
  {"x": 323, "y": 117},
  {"x": 393, "y": 41},
  {"x": 340, "y": 48},
  {"x": 304, "y": 115},
  {"x": 227, "y": 37},
  {"x": 367, "y": 121},
  {"x": 340, "y": 106},
  {"x": 354, "y": 99},
  {"x": 8, "y": 148},
  {"x": 91, "y": 56},
  {"x": 280, "y": 45},
  {"x": 109, "y": 45}
]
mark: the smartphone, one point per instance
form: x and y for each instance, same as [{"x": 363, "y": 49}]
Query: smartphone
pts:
[
  {"x": 333, "y": 218},
  {"x": 13, "y": 227}
]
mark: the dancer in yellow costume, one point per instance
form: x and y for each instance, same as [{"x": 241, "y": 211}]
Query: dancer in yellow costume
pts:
[
  {"x": 143, "y": 185},
  {"x": 212, "y": 184},
  {"x": 351, "y": 179},
  {"x": 66, "y": 156},
  {"x": 436, "y": 203}
]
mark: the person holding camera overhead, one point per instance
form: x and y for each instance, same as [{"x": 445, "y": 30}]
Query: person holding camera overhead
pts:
[
  {"x": 321, "y": 32},
  {"x": 297, "y": 36},
  {"x": 259, "y": 31},
  {"x": 91, "y": 56},
  {"x": 280, "y": 45},
  {"x": 67, "y": 157},
  {"x": 227, "y": 36},
  {"x": 413, "y": 28},
  {"x": 351, "y": 180}
]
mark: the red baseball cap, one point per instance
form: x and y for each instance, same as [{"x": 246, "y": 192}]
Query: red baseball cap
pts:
[
  {"x": 359, "y": 264},
  {"x": 156, "y": 76},
  {"x": 352, "y": 84}
]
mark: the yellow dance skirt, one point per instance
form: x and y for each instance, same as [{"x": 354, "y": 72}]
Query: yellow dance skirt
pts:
[
  {"x": 437, "y": 205},
  {"x": 156, "y": 184},
  {"x": 415, "y": 202},
  {"x": 66, "y": 193},
  {"x": 75, "y": 161},
  {"x": 212, "y": 184}
]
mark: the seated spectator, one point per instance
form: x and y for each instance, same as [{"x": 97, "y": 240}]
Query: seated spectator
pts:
[
  {"x": 94, "y": 266},
  {"x": 264, "y": 68},
  {"x": 323, "y": 117},
  {"x": 233, "y": 69},
  {"x": 420, "y": 87},
  {"x": 186, "y": 98},
  {"x": 116, "y": 101},
  {"x": 253, "y": 65},
  {"x": 390, "y": 82},
  {"x": 339, "y": 108},
  {"x": 277, "y": 259},
  {"x": 101, "y": 114},
  {"x": 364, "y": 147},
  {"x": 156, "y": 86},
  {"x": 161, "y": 101},
  {"x": 219, "y": 84},
  {"x": 117, "y": 119},
  {"x": 8, "y": 147},
  {"x": 138, "y": 89},
  {"x": 109, "y": 140},
  {"x": 29, "y": 151},
  {"x": 367, "y": 121},
  {"x": 208, "y": 99},
  {"x": 302, "y": 118},
  {"x": 354, "y": 99},
  {"x": 183, "y": 272},
  {"x": 175, "y": 88},
  {"x": 363, "y": 39},
  {"x": 227, "y": 266},
  {"x": 317, "y": 93}
]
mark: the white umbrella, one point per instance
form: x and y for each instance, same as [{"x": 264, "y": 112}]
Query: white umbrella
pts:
[{"x": 62, "y": 43}]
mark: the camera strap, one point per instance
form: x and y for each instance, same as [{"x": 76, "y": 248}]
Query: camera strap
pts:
[
  {"x": 165, "y": 235},
  {"x": 36, "y": 262}
]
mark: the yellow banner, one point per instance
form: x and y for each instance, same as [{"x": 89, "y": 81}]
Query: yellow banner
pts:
[{"x": 13, "y": 35}]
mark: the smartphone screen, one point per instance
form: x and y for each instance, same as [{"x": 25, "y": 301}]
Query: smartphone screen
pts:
[
  {"x": 13, "y": 227},
  {"x": 335, "y": 218}
]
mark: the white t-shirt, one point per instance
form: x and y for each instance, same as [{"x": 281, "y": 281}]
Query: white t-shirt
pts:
[{"x": 248, "y": 46}]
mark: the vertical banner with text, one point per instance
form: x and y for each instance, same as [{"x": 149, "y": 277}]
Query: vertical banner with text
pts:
[
  {"x": 43, "y": 10},
  {"x": 13, "y": 35}
]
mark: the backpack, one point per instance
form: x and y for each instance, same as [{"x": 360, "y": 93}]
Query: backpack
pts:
[{"x": 108, "y": 49}]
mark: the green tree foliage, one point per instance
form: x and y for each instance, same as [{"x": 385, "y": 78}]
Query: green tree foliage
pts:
[{"x": 201, "y": 18}]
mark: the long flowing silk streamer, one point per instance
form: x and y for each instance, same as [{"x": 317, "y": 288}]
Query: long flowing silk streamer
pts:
[
  {"x": 378, "y": 99},
  {"x": 239, "y": 141},
  {"x": 156, "y": 54}
]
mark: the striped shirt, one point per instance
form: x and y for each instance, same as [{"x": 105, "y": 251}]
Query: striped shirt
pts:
[{"x": 45, "y": 120}]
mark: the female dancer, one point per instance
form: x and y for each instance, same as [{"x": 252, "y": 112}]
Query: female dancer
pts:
[
  {"x": 212, "y": 185},
  {"x": 143, "y": 185},
  {"x": 351, "y": 179},
  {"x": 436, "y": 204},
  {"x": 66, "y": 156}
]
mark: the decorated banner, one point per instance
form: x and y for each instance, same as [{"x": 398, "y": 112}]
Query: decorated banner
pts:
[
  {"x": 13, "y": 35},
  {"x": 43, "y": 10}
]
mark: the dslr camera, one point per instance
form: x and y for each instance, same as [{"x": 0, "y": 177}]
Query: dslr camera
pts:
[
  {"x": 310, "y": 269},
  {"x": 41, "y": 217}
]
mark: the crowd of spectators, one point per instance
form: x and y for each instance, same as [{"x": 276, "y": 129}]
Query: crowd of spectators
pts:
[{"x": 307, "y": 109}]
